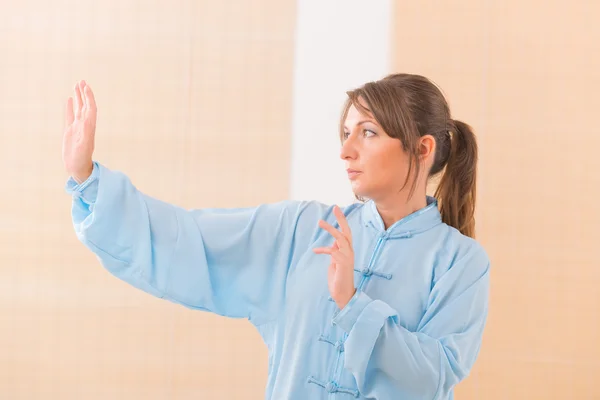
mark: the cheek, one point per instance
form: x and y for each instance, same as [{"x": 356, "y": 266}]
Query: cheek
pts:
[{"x": 388, "y": 166}]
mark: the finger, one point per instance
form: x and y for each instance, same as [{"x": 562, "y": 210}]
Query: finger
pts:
[
  {"x": 334, "y": 232},
  {"x": 82, "y": 85},
  {"x": 339, "y": 258},
  {"x": 327, "y": 250},
  {"x": 343, "y": 222},
  {"x": 323, "y": 250},
  {"x": 78, "y": 102},
  {"x": 91, "y": 100},
  {"x": 69, "y": 116}
]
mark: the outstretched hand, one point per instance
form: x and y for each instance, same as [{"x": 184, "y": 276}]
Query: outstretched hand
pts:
[
  {"x": 340, "y": 276},
  {"x": 80, "y": 128}
]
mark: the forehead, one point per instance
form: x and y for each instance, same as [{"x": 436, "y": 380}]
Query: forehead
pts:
[{"x": 354, "y": 116}]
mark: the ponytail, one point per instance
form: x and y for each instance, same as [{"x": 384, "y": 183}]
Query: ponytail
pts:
[{"x": 457, "y": 188}]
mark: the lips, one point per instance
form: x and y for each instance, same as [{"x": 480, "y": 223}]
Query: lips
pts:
[{"x": 352, "y": 173}]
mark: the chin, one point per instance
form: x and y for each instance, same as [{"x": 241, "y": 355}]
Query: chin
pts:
[{"x": 360, "y": 191}]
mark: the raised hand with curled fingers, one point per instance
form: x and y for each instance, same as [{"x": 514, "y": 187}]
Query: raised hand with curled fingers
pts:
[{"x": 340, "y": 276}]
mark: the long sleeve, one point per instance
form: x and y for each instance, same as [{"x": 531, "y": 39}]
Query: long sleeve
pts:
[
  {"x": 388, "y": 361},
  {"x": 232, "y": 262}
]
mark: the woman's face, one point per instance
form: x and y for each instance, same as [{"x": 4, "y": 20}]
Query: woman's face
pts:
[{"x": 376, "y": 163}]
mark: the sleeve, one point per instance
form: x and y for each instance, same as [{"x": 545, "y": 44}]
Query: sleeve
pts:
[
  {"x": 388, "y": 361},
  {"x": 232, "y": 262}
]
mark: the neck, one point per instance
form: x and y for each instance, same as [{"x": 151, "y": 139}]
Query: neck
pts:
[{"x": 393, "y": 208}]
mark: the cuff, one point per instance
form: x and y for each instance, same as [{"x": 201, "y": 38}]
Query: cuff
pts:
[
  {"x": 347, "y": 316},
  {"x": 87, "y": 190}
]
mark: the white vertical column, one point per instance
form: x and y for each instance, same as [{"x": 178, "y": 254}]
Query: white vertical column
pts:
[{"x": 340, "y": 44}]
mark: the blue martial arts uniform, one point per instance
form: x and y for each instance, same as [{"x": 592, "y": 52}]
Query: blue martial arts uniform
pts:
[{"x": 412, "y": 330}]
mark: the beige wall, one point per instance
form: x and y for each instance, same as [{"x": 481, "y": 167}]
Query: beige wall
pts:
[
  {"x": 525, "y": 75},
  {"x": 194, "y": 105}
]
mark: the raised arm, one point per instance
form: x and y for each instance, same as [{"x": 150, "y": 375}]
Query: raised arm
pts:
[{"x": 232, "y": 262}]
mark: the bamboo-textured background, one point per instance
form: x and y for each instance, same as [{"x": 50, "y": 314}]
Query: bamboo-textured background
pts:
[{"x": 195, "y": 101}]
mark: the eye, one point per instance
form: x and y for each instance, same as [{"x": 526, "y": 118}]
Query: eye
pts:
[
  {"x": 346, "y": 134},
  {"x": 369, "y": 133}
]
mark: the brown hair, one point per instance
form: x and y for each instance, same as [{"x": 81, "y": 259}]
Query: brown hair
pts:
[{"x": 410, "y": 106}]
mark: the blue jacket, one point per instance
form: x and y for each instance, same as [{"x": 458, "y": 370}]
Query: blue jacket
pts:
[{"x": 412, "y": 330}]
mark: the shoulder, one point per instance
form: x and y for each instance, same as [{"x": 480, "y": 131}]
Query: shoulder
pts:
[
  {"x": 468, "y": 247},
  {"x": 461, "y": 254}
]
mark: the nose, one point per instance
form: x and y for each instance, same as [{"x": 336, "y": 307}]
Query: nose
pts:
[{"x": 348, "y": 150}]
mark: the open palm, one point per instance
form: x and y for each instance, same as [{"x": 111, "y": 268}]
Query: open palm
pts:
[{"x": 80, "y": 128}]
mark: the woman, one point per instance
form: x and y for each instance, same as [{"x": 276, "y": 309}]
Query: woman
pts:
[{"x": 383, "y": 299}]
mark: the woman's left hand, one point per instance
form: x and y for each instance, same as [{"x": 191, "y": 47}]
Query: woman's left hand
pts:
[{"x": 340, "y": 276}]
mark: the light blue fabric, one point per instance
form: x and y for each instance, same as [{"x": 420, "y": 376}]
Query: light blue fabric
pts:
[{"x": 412, "y": 331}]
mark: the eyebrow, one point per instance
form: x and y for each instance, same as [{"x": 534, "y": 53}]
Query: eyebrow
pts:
[{"x": 364, "y": 121}]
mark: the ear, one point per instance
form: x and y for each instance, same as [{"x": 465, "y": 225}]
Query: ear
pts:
[{"x": 426, "y": 147}]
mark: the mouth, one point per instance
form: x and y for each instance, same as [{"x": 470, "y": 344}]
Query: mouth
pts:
[{"x": 352, "y": 173}]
